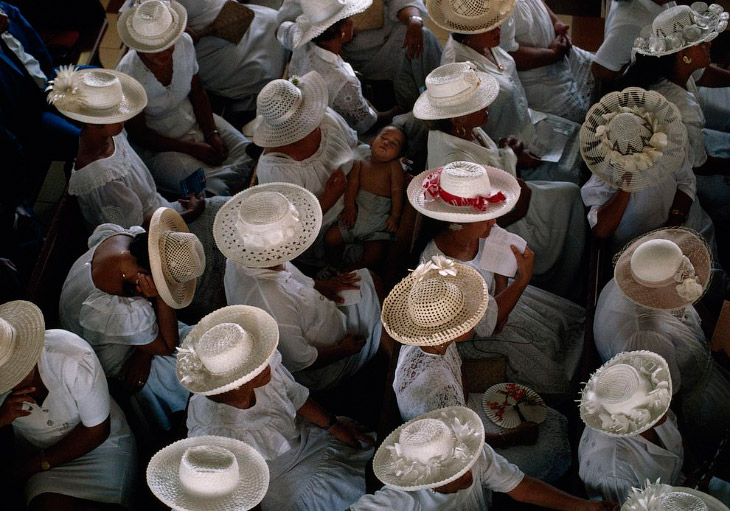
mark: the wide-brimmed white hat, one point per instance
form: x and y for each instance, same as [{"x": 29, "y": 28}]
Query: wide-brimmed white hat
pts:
[
  {"x": 208, "y": 473},
  {"x": 96, "y": 96},
  {"x": 152, "y": 25},
  {"x": 431, "y": 450},
  {"x": 454, "y": 90},
  {"x": 634, "y": 133},
  {"x": 464, "y": 192},
  {"x": 177, "y": 258},
  {"x": 436, "y": 303},
  {"x": 289, "y": 110},
  {"x": 680, "y": 27},
  {"x": 226, "y": 349},
  {"x": 663, "y": 497},
  {"x": 319, "y": 15},
  {"x": 627, "y": 395},
  {"x": 22, "y": 334},
  {"x": 666, "y": 269},
  {"x": 267, "y": 224},
  {"x": 469, "y": 16}
]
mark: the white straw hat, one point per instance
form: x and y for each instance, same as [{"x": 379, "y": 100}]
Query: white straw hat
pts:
[
  {"x": 177, "y": 258},
  {"x": 680, "y": 27},
  {"x": 319, "y": 15},
  {"x": 627, "y": 395},
  {"x": 268, "y": 224},
  {"x": 96, "y": 96},
  {"x": 454, "y": 90},
  {"x": 22, "y": 335},
  {"x": 208, "y": 473},
  {"x": 226, "y": 349},
  {"x": 289, "y": 110},
  {"x": 438, "y": 302},
  {"x": 464, "y": 192},
  {"x": 662, "y": 497},
  {"x": 469, "y": 16},
  {"x": 431, "y": 450},
  {"x": 152, "y": 25},
  {"x": 666, "y": 269},
  {"x": 634, "y": 132}
]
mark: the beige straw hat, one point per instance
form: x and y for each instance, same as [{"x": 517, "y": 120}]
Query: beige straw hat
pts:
[
  {"x": 438, "y": 302},
  {"x": 454, "y": 90},
  {"x": 226, "y": 349},
  {"x": 680, "y": 27},
  {"x": 431, "y": 450},
  {"x": 208, "y": 473},
  {"x": 319, "y": 15},
  {"x": 666, "y": 269},
  {"x": 469, "y": 16},
  {"x": 662, "y": 497},
  {"x": 96, "y": 96},
  {"x": 464, "y": 192},
  {"x": 289, "y": 110},
  {"x": 634, "y": 133},
  {"x": 267, "y": 225},
  {"x": 150, "y": 26},
  {"x": 22, "y": 335}
]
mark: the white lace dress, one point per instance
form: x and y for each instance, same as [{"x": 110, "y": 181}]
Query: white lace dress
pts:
[
  {"x": 309, "y": 468},
  {"x": 542, "y": 340}
]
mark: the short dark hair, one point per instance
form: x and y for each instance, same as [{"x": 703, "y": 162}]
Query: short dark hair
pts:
[
  {"x": 459, "y": 37},
  {"x": 140, "y": 251},
  {"x": 404, "y": 145}
]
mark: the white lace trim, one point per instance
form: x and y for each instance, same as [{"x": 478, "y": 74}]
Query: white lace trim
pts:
[{"x": 97, "y": 173}]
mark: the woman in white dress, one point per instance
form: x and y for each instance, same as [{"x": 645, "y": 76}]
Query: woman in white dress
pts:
[
  {"x": 241, "y": 390},
  {"x": 177, "y": 133},
  {"x": 72, "y": 443}
]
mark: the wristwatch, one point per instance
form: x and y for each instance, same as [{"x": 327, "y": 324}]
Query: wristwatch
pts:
[
  {"x": 415, "y": 18},
  {"x": 44, "y": 462}
]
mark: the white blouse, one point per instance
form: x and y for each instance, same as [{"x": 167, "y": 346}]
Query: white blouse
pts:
[{"x": 444, "y": 148}]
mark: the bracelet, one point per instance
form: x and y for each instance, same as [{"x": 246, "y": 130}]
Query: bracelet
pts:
[
  {"x": 415, "y": 18},
  {"x": 210, "y": 133},
  {"x": 45, "y": 465},
  {"x": 332, "y": 421}
]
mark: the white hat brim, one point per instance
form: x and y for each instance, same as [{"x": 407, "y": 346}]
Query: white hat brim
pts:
[
  {"x": 180, "y": 21},
  {"x": 303, "y": 31},
  {"x": 711, "y": 502},
  {"x": 485, "y": 95},
  {"x": 30, "y": 334},
  {"x": 468, "y": 24},
  {"x": 163, "y": 477}
]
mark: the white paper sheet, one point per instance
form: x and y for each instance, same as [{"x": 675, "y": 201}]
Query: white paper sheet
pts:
[{"x": 497, "y": 255}]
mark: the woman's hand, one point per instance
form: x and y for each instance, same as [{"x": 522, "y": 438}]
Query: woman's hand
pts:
[
  {"x": 560, "y": 47},
  {"x": 13, "y": 406},
  {"x": 392, "y": 223},
  {"x": 194, "y": 206},
  {"x": 136, "y": 371},
  {"x": 335, "y": 186},
  {"x": 525, "y": 262},
  {"x": 349, "y": 215},
  {"x": 145, "y": 286},
  {"x": 413, "y": 41},
  {"x": 216, "y": 142},
  {"x": 351, "y": 344},
  {"x": 524, "y": 434},
  {"x": 330, "y": 288},
  {"x": 561, "y": 28},
  {"x": 350, "y": 433},
  {"x": 205, "y": 153}
]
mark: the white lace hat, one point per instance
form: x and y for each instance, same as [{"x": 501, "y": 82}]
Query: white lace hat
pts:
[
  {"x": 208, "y": 473},
  {"x": 319, "y": 15},
  {"x": 226, "y": 349},
  {"x": 662, "y": 497},
  {"x": 96, "y": 96},
  {"x": 464, "y": 192},
  {"x": 627, "y": 395},
  {"x": 666, "y": 269},
  {"x": 438, "y": 302},
  {"x": 150, "y": 26},
  {"x": 177, "y": 258},
  {"x": 634, "y": 133},
  {"x": 469, "y": 16},
  {"x": 289, "y": 110},
  {"x": 267, "y": 224},
  {"x": 680, "y": 27},
  {"x": 453, "y": 90},
  {"x": 431, "y": 450},
  {"x": 22, "y": 335}
]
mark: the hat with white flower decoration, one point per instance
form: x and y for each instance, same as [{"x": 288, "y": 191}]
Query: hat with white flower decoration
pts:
[
  {"x": 680, "y": 27},
  {"x": 633, "y": 139},
  {"x": 431, "y": 450},
  {"x": 436, "y": 303},
  {"x": 663, "y": 497}
]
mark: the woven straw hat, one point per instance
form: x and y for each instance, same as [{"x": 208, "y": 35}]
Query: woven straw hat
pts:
[
  {"x": 96, "y": 96},
  {"x": 226, "y": 349},
  {"x": 208, "y": 473},
  {"x": 22, "y": 334},
  {"x": 627, "y": 395},
  {"x": 438, "y": 302},
  {"x": 289, "y": 110},
  {"x": 464, "y": 192},
  {"x": 636, "y": 133},
  {"x": 453, "y": 90},
  {"x": 152, "y": 25},
  {"x": 177, "y": 258},
  {"x": 469, "y": 16},
  {"x": 657, "y": 496},
  {"x": 665, "y": 269},
  {"x": 319, "y": 15},
  {"x": 267, "y": 224},
  {"x": 680, "y": 27},
  {"x": 431, "y": 450}
]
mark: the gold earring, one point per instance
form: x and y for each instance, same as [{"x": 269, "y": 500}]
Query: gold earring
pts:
[
  {"x": 686, "y": 59},
  {"x": 461, "y": 131},
  {"x": 342, "y": 34}
]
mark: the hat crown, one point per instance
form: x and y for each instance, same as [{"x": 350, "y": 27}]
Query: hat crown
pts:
[
  {"x": 673, "y": 20},
  {"x": 434, "y": 301},
  {"x": 183, "y": 256},
  {"x": 101, "y": 90},
  {"x": 426, "y": 440},
  {"x": 621, "y": 388},
  {"x": 317, "y": 11},
  {"x": 470, "y": 8},
  {"x": 224, "y": 348},
  {"x": 465, "y": 179},
  {"x": 629, "y": 133},
  {"x": 266, "y": 219},
  {"x": 681, "y": 501},
  {"x": 278, "y": 101},
  {"x": 7, "y": 341},
  {"x": 152, "y": 18},
  {"x": 209, "y": 471},
  {"x": 452, "y": 84},
  {"x": 655, "y": 262}
]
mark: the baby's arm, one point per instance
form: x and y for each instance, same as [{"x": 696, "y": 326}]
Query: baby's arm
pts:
[
  {"x": 349, "y": 213},
  {"x": 396, "y": 196}
]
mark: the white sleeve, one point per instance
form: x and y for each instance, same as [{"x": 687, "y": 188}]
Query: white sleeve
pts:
[
  {"x": 595, "y": 193},
  {"x": 90, "y": 391},
  {"x": 615, "y": 51},
  {"x": 686, "y": 179},
  {"x": 113, "y": 203},
  {"x": 285, "y": 35},
  {"x": 387, "y": 498},
  {"x": 353, "y": 106},
  {"x": 497, "y": 473},
  {"x": 296, "y": 393},
  {"x": 485, "y": 327}
]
